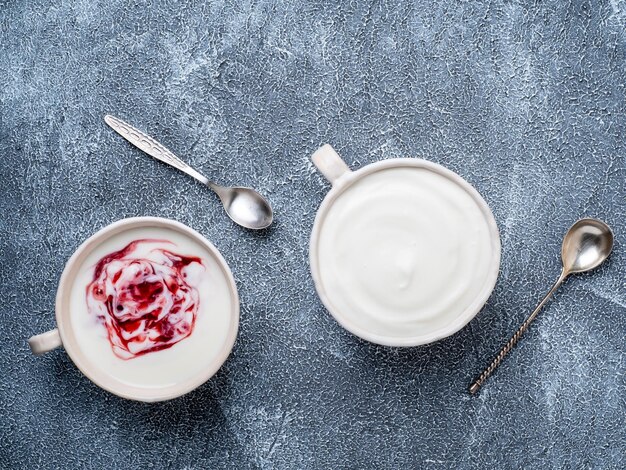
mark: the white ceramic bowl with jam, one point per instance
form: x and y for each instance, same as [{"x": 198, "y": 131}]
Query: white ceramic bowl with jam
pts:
[{"x": 147, "y": 308}]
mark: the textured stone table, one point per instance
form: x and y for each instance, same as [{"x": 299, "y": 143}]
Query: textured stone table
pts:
[{"x": 526, "y": 101}]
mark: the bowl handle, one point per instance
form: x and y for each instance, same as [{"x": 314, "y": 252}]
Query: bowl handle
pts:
[
  {"x": 44, "y": 342},
  {"x": 329, "y": 163}
]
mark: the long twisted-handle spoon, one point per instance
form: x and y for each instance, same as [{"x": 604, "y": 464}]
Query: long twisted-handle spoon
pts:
[
  {"x": 244, "y": 206},
  {"x": 585, "y": 246}
]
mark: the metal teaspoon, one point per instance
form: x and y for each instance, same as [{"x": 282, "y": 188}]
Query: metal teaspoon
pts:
[
  {"x": 585, "y": 246},
  {"x": 244, "y": 206}
]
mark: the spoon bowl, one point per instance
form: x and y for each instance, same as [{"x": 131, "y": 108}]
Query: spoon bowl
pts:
[
  {"x": 245, "y": 207},
  {"x": 586, "y": 245}
]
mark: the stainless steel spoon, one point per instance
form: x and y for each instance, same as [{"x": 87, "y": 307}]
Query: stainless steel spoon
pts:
[
  {"x": 244, "y": 206},
  {"x": 586, "y": 245}
]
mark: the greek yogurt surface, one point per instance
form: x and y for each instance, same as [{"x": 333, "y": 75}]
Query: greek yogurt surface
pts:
[
  {"x": 150, "y": 307},
  {"x": 405, "y": 252}
]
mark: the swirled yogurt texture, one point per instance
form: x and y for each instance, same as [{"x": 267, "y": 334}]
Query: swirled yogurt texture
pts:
[
  {"x": 147, "y": 299},
  {"x": 406, "y": 252}
]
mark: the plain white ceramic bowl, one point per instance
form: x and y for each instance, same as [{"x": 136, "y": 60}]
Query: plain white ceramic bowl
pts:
[
  {"x": 341, "y": 177},
  {"x": 64, "y": 335}
]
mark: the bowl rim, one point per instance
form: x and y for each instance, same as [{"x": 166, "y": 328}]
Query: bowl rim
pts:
[
  {"x": 342, "y": 184},
  {"x": 87, "y": 367}
]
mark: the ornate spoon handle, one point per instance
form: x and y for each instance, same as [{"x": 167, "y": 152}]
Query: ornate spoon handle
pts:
[
  {"x": 516, "y": 337},
  {"x": 151, "y": 147}
]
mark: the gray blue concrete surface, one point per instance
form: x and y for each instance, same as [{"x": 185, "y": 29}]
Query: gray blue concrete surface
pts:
[{"x": 526, "y": 100}]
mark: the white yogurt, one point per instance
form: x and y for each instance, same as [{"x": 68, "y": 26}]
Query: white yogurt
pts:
[
  {"x": 404, "y": 252},
  {"x": 178, "y": 363}
]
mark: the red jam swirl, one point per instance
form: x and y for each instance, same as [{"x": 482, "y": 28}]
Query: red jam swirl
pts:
[{"x": 146, "y": 300}]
